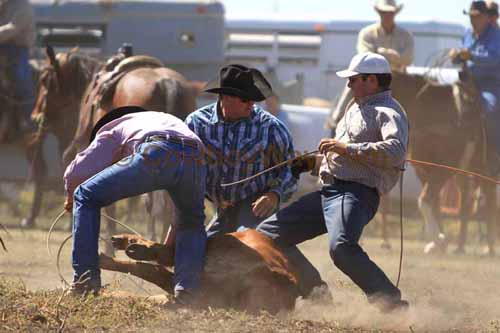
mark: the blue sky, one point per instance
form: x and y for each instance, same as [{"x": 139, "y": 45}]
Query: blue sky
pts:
[{"x": 414, "y": 10}]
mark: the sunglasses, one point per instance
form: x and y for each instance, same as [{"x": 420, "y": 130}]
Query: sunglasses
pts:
[{"x": 353, "y": 79}]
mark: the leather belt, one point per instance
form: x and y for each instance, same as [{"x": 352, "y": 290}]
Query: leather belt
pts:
[
  {"x": 184, "y": 142},
  {"x": 329, "y": 179}
]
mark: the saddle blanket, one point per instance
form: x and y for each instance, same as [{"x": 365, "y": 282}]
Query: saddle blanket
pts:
[{"x": 440, "y": 75}]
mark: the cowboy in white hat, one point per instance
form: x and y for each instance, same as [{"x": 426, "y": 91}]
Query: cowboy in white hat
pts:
[{"x": 359, "y": 164}]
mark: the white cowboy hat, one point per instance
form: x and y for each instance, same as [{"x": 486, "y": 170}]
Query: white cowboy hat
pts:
[
  {"x": 388, "y": 6},
  {"x": 366, "y": 63}
]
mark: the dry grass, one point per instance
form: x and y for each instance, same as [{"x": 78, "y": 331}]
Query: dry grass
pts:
[{"x": 447, "y": 293}]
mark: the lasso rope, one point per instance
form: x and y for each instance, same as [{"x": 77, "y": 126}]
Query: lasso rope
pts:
[
  {"x": 61, "y": 246},
  {"x": 279, "y": 165},
  {"x": 63, "y": 212}
]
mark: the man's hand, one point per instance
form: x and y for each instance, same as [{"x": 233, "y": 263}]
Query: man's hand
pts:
[
  {"x": 332, "y": 145},
  {"x": 391, "y": 55},
  {"x": 68, "y": 204},
  {"x": 265, "y": 205},
  {"x": 460, "y": 54}
]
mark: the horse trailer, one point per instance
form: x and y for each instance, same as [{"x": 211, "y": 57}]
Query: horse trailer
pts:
[
  {"x": 187, "y": 36},
  {"x": 317, "y": 49}
]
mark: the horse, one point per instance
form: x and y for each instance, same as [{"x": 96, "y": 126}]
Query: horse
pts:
[
  {"x": 29, "y": 140},
  {"x": 243, "y": 270},
  {"x": 141, "y": 81},
  {"x": 437, "y": 136},
  {"x": 59, "y": 92}
]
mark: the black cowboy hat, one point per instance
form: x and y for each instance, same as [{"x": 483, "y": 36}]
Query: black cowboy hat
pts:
[
  {"x": 240, "y": 81},
  {"x": 477, "y": 7},
  {"x": 112, "y": 115},
  {"x": 492, "y": 8}
]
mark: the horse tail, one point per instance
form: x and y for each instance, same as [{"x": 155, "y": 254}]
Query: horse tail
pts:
[{"x": 173, "y": 97}]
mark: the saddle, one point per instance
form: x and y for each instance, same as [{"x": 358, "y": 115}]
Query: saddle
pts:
[{"x": 103, "y": 84}]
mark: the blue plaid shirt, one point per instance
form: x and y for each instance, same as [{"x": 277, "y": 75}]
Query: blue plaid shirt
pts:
[{"x": 236, "y": 150}]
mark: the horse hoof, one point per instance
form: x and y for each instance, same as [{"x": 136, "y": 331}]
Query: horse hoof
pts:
[{"x": 28, "y": 223}]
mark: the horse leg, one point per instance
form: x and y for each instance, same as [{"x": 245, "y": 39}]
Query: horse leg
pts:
[
  {"x": 427, "y": 206},
  {"x": 160, "y": 208},
  {"x": 110, "y": 229},
  {"x": 10, "y": 200},
  {"x": 466, "y": 185},
  {"x": 170, "y": 215},
  {"x": 149, "y": 203},
  {"x": 39, "y": 174},
  {"x": 132, "y": 206},
  {"x": 384, "y": 209},
  {"x": 491, "y": 216}
]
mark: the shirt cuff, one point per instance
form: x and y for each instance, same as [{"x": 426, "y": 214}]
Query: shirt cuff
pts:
[
  {"x": 278, "y": 192},
  {"x": 353, "y": 149}
]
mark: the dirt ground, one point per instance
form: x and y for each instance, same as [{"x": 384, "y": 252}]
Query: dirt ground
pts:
[{"x": 446, "y": 292}]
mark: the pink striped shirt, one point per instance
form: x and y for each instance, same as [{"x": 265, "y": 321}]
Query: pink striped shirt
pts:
[{"x": 118, "y": 139}]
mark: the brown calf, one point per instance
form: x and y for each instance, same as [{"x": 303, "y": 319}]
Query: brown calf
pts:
[{"x": 243, "y": 270}]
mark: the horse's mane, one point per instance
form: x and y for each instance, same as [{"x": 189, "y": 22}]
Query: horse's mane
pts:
[
  {"x": 79, "y": 67},
  {"x": 84, "y": 67}
]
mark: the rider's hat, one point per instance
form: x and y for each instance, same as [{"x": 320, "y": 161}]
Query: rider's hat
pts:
[
  {"x": 476, "y": 8},
  {"x": 240, "y": 81},
  {"x": 388, "y": 6}
]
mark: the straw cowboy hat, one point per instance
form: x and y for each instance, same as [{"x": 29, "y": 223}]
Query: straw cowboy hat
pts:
[
  {"x": 240, "y": 81},
  {"x": 388, "y": 6}
]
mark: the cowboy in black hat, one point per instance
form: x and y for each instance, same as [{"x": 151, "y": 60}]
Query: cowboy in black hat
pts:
[
  {"x": 243, "y": 139},
  {"x": 493, "y": 13}
]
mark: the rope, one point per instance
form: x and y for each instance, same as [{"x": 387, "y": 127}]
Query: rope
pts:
[
  {"x": 56, "y": 220},
  {"x": 279, "y": 165},
  {"x": 58, "y": 260},
  {"x": 400, "y": 228},
  {"x": 456, "y": 170},
  {"x": 61, "y": 214},
  {"x": 122, "y": 224}
]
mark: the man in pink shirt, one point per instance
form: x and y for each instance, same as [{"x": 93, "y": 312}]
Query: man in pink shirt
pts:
[{"x": 134, "y": 151}]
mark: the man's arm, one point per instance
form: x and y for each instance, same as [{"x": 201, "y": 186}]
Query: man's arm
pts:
[
  {"x": 281, "y": 145},
  {"x": 101, "y": 153},
  {"x": 22, "y": 19},
  {"x": 408, "y": 53},
  {"x": 486, "y": 62},
  {"x": 365, "y": 41},
  {"x": 390, "y": 152}
]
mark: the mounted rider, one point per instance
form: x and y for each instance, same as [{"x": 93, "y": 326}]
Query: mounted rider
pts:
[
  {"x": 480, "y": 59},
  {"x": 385, "y": 38},
  {"x": 493, "y": 13},
  {"x": 17, "y": 35}
]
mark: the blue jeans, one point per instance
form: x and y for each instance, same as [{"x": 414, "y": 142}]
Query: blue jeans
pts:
[
  {"x": 158, "y": 165},
  {"x": 341, "y": 210},
  {"x": 240, "y": 217},
  {"x": 20, "y": 72}
]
